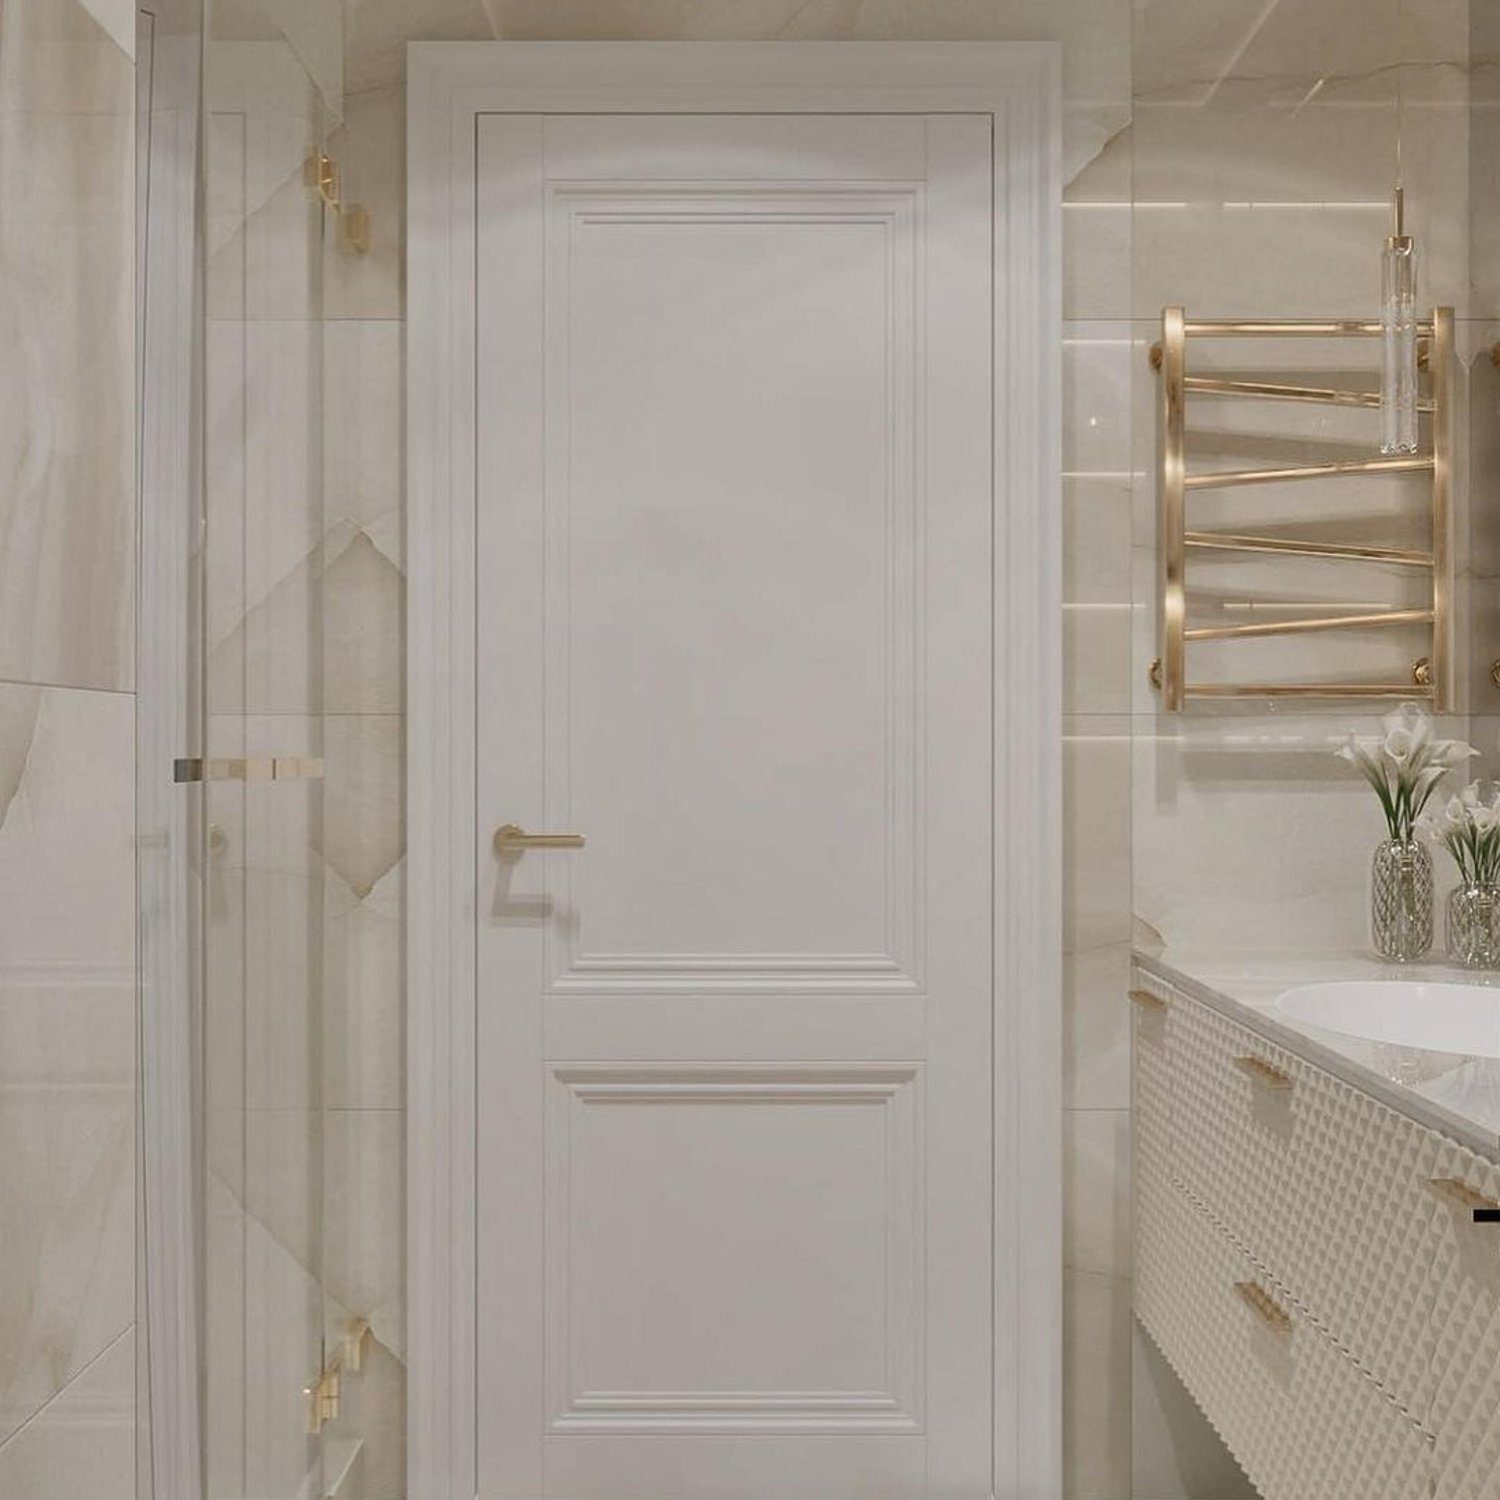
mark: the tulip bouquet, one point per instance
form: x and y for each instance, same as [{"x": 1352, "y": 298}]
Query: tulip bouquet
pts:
[{"x": 1404, "y": 765}]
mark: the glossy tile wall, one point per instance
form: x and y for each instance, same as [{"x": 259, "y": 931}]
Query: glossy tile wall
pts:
[{"x": 67, "y": 730}]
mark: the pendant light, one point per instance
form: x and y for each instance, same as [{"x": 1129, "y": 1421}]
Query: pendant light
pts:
[
  {"x": 1398, "y": 319},
  {"x": 1398, "y": 341}
]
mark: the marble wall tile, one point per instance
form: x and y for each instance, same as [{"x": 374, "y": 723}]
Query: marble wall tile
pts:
[
  {"x": 363, "y": 994},
  {"x": 1096, "y": 834},
  {"x": 1246, "y": 827},
  {"x": 67, "y": 1037},
  {"x": 83, "y": 1441},
  {"x": 1096, "y": 1213},
  {"x": 364, "y": 1218},
  {"x": 1097, "y": 1325},
  {"x": 1096, "y": 1027},
  {"x": 364, "y": 427},
  {"x": 67, "y": 407}
]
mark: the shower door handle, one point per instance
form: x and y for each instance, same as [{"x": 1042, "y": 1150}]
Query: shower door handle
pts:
[{"x": 511, "y": 839}]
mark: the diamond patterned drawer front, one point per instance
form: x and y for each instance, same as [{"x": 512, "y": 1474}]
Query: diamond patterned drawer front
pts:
[
  {"x": 1323, "y": 1186},
  {"x": 1301, "y": 1419},
  {"x": 1354, "y": 1218}
]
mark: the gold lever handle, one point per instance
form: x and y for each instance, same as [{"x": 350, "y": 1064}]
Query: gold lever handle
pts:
[
  {"x": 1261, "y": 1072},
  {"x": 511, "y": 838},
  {"x": 1270, "y": 1310}
]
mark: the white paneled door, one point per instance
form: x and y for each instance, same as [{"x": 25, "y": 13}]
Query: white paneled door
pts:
[{"x": 734, "y": 549}]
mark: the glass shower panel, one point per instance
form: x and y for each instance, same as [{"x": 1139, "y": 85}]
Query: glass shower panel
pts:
[{"x": 265, "y": 1352}]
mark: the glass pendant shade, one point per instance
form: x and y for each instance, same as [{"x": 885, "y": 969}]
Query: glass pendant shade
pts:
[{"x": 1398, "y": 372}]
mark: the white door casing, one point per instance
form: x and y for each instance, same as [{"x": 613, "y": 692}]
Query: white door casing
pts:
[{"x": 701, "y": 1194}]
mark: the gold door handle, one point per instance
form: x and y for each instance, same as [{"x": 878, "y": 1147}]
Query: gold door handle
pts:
[{"x": 511, "y": 838}]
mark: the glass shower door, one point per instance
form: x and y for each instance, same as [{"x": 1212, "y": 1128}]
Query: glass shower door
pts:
[{"x": 268, "y": 1388}]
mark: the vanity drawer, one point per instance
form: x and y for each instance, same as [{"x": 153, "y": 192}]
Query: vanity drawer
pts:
[
  {"x": 1464, "y": 1305},
  {"x": 1303, "y": 1421},
  {"x": 1327, "y": 1191}
]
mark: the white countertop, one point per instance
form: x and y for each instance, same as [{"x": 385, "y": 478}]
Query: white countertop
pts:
[{"x": 1455, "y": 1094}]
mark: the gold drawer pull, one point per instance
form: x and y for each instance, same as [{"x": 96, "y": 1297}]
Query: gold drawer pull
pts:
[
  {"x": 1458, "y": 1192},
  {"x": 1258, "y": 1070},
  {"x": 1271, "y": 1311},
  {"x": 1148, "y": 1002}
]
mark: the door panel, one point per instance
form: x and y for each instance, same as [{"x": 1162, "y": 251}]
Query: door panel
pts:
[{"x": 734, "y": 614}]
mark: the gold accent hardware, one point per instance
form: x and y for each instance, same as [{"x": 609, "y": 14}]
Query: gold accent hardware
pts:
[
  {"x": 1301, "y": 627},
  {"x": 248, "y": 768},
  {"x": 1173, "y": 503},
  {"x": 1224, "y": 480},
  {"x": 512, "y": 839},
  {"x": 1270, "y": 1310},
  {"x": 1258, "y": 1070},
  {"x": 1305, "y": 690},
  {"x": 1175, "y": 485},
  {"x": 320, "y": 172},
  {"x": 355, "y": 1339},
  {"x": 1263, "y": 390},
  {"x": 1147, "y": 1001},
  {"x": 1457, "y": 1192},
  {"x": 355, "y": 223},
  {"x": 1315, "y": 328},
  {"x": 1442, "y": 489},
  {"x": 1495, "y": 673},
  {"x": 325, "y": 1395},
  {"x": 323, "y": 1400},
  {"x": 1229, "y": 541},
  {"x": 1153, "y": 673}
]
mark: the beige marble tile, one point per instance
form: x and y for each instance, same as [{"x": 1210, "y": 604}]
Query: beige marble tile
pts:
[
  {"x": 363, "y": 994},
  {"x": 363, "y": 828},
  {"x": 67, "y": 383},
  {"x": 1096, "y": 1386},
  {"x": 377, "y": 31},
  {"x": 1176, "y": 1454},
  {"x": 67, "y": 1037},
  {"x": 364, "y": 416},
  {"x": 83, "y": 1441},
  {"x": 374, "y": 1406},
  {"x": 1096, "y": 834},
  {"x": 1097, "y": 428},
  {"x": 1096, "y": 1191},
  {"x": 1097, "y": 220},
  {"x": 363, "y": 1242},
  {"x": 1247, "y": 827},
  {"x": 117, "y": 17},
  {"x": 1096, "y": 1028}
]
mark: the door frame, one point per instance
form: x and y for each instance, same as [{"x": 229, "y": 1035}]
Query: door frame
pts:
[{"x": 449, "y": 85}]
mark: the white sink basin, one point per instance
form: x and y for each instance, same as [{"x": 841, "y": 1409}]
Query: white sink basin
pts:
[{"x": 1462, "y": 1018}]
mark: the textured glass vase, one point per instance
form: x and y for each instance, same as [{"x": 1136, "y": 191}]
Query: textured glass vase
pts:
[
  {"x": 1474, "y": 926},
  {"x": 1401, "y": 900}
]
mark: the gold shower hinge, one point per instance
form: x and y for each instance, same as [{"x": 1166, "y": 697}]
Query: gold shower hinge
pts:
[
  {"x": 321, "y": 173},
  {"x": 325, "y": 1395}
]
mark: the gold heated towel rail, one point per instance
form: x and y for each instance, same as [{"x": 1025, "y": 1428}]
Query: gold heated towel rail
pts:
[{"x": 1431, "y": 674}]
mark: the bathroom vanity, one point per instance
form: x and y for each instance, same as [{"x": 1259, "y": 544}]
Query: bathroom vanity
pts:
[{"x": 1317, "y": 1252}]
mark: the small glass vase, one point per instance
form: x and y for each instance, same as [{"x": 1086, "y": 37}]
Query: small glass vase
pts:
[
  {"x": 1401, "y": 900},
  {"x": 1474, "y": 926}
]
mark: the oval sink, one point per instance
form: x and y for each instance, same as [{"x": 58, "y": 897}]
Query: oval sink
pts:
[{"x": 1459, "y": 1018}]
